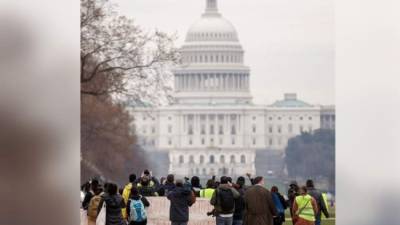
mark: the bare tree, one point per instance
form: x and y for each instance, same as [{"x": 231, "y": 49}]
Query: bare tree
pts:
[
  {"x": 119, "y": 60},
  {"x": 133, "y": 63}
]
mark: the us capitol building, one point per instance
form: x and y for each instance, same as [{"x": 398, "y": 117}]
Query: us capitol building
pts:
[{"x": 213, "y": 128}]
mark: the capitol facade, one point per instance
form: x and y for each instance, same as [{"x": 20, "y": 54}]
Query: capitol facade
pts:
[{"x": 213, "y": 127}]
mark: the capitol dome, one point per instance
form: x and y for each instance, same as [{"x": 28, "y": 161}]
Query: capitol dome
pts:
[
  {"x": 212, "y": 69},
  {"x": 212, "y": 26}
]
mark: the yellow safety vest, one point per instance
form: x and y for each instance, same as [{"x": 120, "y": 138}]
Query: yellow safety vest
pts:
[
  {"x": 326, "y": 202},
  {"x": 304, "y": 203},
  {"x": 207, "y": 193}
]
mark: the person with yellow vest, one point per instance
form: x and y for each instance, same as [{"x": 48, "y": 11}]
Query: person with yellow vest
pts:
[
  {"x": 208, "y": 191},
  {"x": 127, "y": 192},
  {"x": 304, "y": 208}
]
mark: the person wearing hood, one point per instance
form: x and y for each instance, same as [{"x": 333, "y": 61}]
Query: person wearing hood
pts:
[
  {"x": 127, "y": 191},
  {"x": 146, "y": 188},
  {"x": 169, "y": 184},
  {"x": 114, "y": 205},
  {"x": 196, "y": 186},
  {"x": 223, "y": 200},
  {"x": 180, "y": 198}
]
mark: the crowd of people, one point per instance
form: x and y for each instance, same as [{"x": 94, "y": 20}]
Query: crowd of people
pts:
[{"x": 234, "y": 203}]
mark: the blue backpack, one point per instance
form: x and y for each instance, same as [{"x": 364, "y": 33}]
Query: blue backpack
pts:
[
  {"x": 137, "y": 211},
  {"x": 278, "y": 203}
]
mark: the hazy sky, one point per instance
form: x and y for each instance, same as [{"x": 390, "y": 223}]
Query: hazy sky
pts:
[{"x": 289, "y": 44}]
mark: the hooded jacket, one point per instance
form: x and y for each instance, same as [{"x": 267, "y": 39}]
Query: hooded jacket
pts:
[
  {"x": 180, "y": 199},
  {"x": 216, "y": 202},
  {"x": 125, "y": 195},
  {"x": 114, "y": 205}
]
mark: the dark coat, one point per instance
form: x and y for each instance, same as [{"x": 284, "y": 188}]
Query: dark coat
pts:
[
  {"x": 317, "y": 195},
  {"x": 114, "y": 204},
  {"x": 259, "y": 207},
  {"x": 180, "y": 201},
  {"x": 239, "y": 205}
]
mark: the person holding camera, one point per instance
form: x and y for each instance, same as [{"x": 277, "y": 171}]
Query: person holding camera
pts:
[{"x": 223, "y": 200}]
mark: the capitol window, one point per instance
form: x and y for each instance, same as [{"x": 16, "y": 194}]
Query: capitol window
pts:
[
  {"x": 169, "y": 128},
  {"x": 233, "y": 141},
  {"x": 153, "y": 130},
  {"x": 290, "y": 128},
  {"x": 279, "y": 129},
  {"x": 203, "y": 129},
  {"x": 221, "y": 129},
  {"x": 190, "y": 130},
  {"x": 301, "y": 129},
  {"x": 169, "y": 142},
  {"x": 254, "y": 141},
  {"x": 243, "y": 159},
  {"x": 233, "y": 129},
  {"x": 212, "y": 160},
  {"x": 144, "y": 129},
  {"x": 270, "y": 118},
  {"x": 310, "y": 118},
  {"x": 201, "y": 159},
  {"x": 222, "y": 159},
  {"x": 202, "y": 141},
  {"x": 301, "y": 118},
  {"x": 270, "y": 129},
  {"x": 254, "y": 128},
  {"x": 204, "y": 171},
  {"x": 270, "y": 142},
  {"x": 211, "y": 129},
  {"x": 190, "y": 141},
  {"x": 233, "y": 159},
  {"x": 181, "y": 160},
  {"x": 191, "y": 159}
]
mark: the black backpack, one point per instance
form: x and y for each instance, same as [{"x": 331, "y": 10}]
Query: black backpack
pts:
[{"x": 226, "y": 200}]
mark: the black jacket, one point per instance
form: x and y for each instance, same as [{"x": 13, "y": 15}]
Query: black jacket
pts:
[
  {"x": 317, "y": 195},
  {"x": 114, "y": 204},
  {"x": 180, "y": 201},
  {"x": 239, "y": 205}
]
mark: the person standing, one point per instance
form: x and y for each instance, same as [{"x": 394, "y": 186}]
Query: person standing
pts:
[
  {"x": 317, "y": 195},
  {"x": 94, "y": 205},
  {"x": 239, "y": 202},
  {"x": 136, "y": 208},
  {"x": 209, "y": 190},
  {"x": 280, "y": 205},
  {"x": 304, "y": 208},
  {"x": 293, "y": 192},
  {"x": 180, "y": 199},
  {"x": 114, "y": 204},
  {"x": 223, "y": 200},
  {"x": 146, "y": 187},
  {"x": 127, "y": 192},
  {"x": 196, "y": 186},
  {"x": 259, "y": 207}
]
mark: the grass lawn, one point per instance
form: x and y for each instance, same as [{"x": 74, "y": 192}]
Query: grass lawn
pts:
[{"x": 324, "y": 222}]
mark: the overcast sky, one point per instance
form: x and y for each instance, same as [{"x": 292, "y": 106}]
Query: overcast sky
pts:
[{"x": 289, "y": 44}]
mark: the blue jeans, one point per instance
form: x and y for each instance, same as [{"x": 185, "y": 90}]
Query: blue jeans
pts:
[
  {"x": 224, "y": 220},
  {"x": 237, "y": 222},
  {"x": 318, "y": 219}
]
